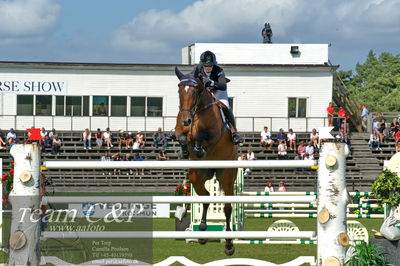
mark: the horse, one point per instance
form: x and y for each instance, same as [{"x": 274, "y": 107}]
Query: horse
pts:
[{"x": 203, "y": 135}]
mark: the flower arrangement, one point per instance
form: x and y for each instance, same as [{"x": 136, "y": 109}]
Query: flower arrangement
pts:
[
  {"x": 7, "y": 181},
  {"x": 183, "y": 190}
]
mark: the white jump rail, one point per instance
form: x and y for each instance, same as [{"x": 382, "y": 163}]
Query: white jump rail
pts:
[
  {"x": 178, "y": 164},
  {"x": 180, "y": 234}
]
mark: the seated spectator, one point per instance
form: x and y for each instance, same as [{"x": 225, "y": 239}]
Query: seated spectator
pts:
[
  {"x": 282, "y": 187},
  {"x": 105, "y": 158},
  {"x": 55, "y": 145},
  {"x": 346, "y": 140},
  {"x": 123, "y": 140},
  {"x": 131, "y": 139},
  {"x": 266, "y": 138},
  {"x": 301, "y": 150},
  {"x": 374, "y": 141},
  {"x": 386, "y": 135},
  {"x": 107, "y": 136},
  {"x": 339, "y": 137},
  {"x": 250, "y": 155},
  {"x": 138, "y": 158},
  {"x": 397, "y": 137},
  {"x": 308, "y": 157},
  {"x": 87, "y": 139},
  {"x": 282, "y": 150},
  {"x": 116, "y": 157},
  {"x": 243, "y": 157},
  {"x": 381, "y": 126},
  {"x": 309, "y": 151},
  {"x": 139, "y": 143},
  {"x": 2, "y": 140},
  {"x": 394, "y": 127},
  {"x": 53, "y": 134},
  {"x": 99, "y": 138},
  {"x": 281, "y": 136},
  {"x": 375, "y": 123},
  {"x": 162, "y": 155},
  {"x": 269, "y": 187},
  {"x": 11, "y": 138},
  {"x": 46, "y": 143},
  {"x": 314, "y": 138},
  {"x": 159, "y": 137},
  {"x": 43, "y": 133},
  {"x": 291, "y": 137}
]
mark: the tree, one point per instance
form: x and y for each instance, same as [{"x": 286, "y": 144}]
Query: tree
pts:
[{"x": 376, "y": 82}]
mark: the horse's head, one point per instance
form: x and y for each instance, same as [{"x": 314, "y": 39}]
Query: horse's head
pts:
[{"x": 189, "y": 91}]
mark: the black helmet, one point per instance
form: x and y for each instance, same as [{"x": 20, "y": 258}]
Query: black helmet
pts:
[{"x": 208, "y": 59}]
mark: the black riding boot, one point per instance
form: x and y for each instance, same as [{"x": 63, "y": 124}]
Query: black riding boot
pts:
[{"x": 236, "y": 138}]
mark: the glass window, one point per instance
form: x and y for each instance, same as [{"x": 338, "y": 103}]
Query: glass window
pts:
[
  {"x": 118, "y": 105},
  {"x": 154, "y": 106},
  {"x": 74, "y": 105},
  {"x": 292, "y": 107},
  {"x": 100, "y": 105},
  {"x": 85, "y": 105},
  {"x": 24, "y": 104},
  {"x": 59, "y": 105},
  {"x": 43, "y": 104},
  {"x": 297, "y": 107},
  {"x": 137, "y": 106}
]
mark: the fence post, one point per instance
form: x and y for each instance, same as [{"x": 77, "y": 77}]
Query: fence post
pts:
[
  {"x": 25, "y": 201},
  {"x": 332, "y": 205}
]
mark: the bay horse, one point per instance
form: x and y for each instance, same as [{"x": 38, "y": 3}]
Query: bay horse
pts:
[{"x": 203, "y": 135}]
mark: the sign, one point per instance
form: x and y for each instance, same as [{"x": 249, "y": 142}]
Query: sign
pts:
[
  {"x": 45, "y": 87},
  {"x": 121, "y": 210}
]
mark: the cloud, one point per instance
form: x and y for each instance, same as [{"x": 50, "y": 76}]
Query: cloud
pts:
[{"x": 25, "y": 18}]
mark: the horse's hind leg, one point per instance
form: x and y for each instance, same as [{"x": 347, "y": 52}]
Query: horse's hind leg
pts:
[
  {"x": 198, "y": 184},
  {"x": 228, "y": 180}
]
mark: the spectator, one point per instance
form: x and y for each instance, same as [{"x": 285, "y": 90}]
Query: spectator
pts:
[
  {"x": 375, "y": 123},
  {"x": 46, "y": 143},
  {"x": 314, "y": 137},
  {"x": 330, "y": 111},
  {"x": 162, "y": 155},
  {"x": 381, "y": 126},
  {"x": 2, "y": 140},
  {"x": 266, "y": 138},
  {"x": 243, "y": 157},
  {"x": 87, "y": 139},
  {"x": 43, "y": 133},
  {"x": 386, "y": 135},
  {"x": 398, "y": 147},
  {"x": 310, "y": 151},
  {"x": 346, "y": 140},
  {"x": 282, "y": 150},
  {"x": 130, "y": 139},
  {"x": 339, "y": 137},
  {"x": 138, "y": 158},
  {"x": 116, "y": 157},
  {"x": 123, "y": 139},
  {"x": 397, "y": 140},
  {"x": 394, "y": 127},
  {"x": 99, "y": 138},
  {"x": 11, "y": 138},
  {"x": 374, "y": 141},
  {"x": 342, "y": 114},
  {"x": 282, "y": 187},
  {"x": 281, "y": 136},
  {"x": 307, "y": 157},
  {"x": 56, "y": 145},
  {"x": 301, "y": 150},
  {"x": 250, "y": 155},
  {"x": 107, "y": 136},
  {"x": 105, "y": 158},
  {"x": 53, "y": 134},
  {"x": 364, "y": 116},
  {"x": 291, "y": 137},
  {"x": 269, "y": 187},
  {"x": 139, "y": 143},
  {"x": 159, "y": 137}
]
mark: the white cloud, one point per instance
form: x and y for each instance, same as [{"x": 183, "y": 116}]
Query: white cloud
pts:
[{"x": 24, "y": 18}]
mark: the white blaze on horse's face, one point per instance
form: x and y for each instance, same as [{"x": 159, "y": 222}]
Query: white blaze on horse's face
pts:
[{"x": 186, "y": 88}]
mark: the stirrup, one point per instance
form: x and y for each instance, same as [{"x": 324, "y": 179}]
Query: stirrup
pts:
[{"x": 236, "y": 138}]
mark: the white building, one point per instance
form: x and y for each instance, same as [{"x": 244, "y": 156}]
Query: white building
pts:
[{"x": 278, "y": 85}]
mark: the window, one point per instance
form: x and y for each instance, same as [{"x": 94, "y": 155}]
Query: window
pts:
[
  {"x": 60, "y": 105},
  {"x": 297, "y": 107},
  {"x": 138, "y": 106},
  {"x": 74, "y": 105},
  {"x": 154, "y": 106},
  {"x": 85, "y": 106},
  {"x": 100, "y": 105},
  {"x": 24, "y": 104},
  {"x": 43, "y": 104},
  {"x": 118, "y": 105}
]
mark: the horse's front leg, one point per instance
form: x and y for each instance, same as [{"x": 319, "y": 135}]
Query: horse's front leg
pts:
[
  {"x": 200, "y": 137},
  {"x": 182, "y": 139}
]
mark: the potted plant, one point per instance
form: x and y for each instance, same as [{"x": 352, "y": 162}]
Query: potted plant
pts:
[
  {"x": 386, "y": 188},
  {"x": 366, "y": 254}
]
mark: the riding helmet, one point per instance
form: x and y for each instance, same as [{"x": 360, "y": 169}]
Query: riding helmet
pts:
[{"x": 208, "y": 59}]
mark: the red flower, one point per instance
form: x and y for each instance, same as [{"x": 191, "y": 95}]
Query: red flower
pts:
[
  {"x": 12, "y": 164},
  {"x": 11, "y": 171},
  {"x": 5, "y": 200},
  {"x": 4, "y": 177}
]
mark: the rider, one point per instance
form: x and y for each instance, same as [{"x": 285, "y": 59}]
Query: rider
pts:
[{"x": 213, "y": 76}]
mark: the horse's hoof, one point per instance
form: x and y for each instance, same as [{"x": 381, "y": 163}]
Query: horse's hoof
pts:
[
  {"x": 229, "y": 249},
  {"x": 199, "y": 153},
  {"x": 203, "y": 227},
  {"x": 203, "y": 241},
  {"x": 185, "y": 154}
]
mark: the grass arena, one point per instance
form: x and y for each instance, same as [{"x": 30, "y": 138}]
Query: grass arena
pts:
[{"x": 115, "y": 237}]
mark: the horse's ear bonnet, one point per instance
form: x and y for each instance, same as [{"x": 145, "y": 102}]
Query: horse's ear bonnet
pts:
[{"x": 186, "y": 80}]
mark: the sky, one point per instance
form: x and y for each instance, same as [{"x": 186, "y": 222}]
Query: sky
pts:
[{"x": 155, "y": 31}]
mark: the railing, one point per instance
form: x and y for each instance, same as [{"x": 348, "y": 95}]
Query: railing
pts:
[
  {"x": 388, "y": 115},
  {"x": 77, "y": 123}
]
